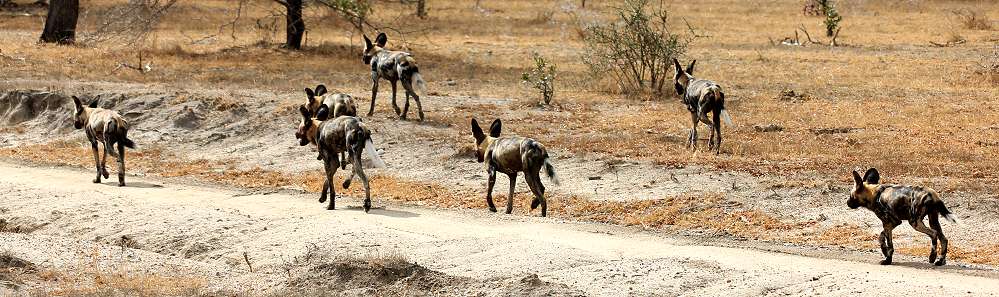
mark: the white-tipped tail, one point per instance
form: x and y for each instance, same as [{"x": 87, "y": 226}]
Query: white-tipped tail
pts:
[
  {"x": 725, "y": 117},
  {"x": 950, "y": 218},
  {"x": 550, "y": 171},
  {"x": 421, "y": 85},
  {"x": 369, "y": 148}
]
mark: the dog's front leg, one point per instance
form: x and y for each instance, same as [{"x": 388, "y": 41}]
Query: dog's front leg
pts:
[
  {"x": 331, "y": 165},
  {"x": 374, "y": 92},
  {"x": 887, "y": 248},
  {"x": 489, "y": 189},
  {"x": 692, "y": 139}
]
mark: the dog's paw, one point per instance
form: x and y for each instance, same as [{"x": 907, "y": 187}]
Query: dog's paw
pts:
[
  {"x": 346, "y": 184},
  {"x": 886, "y": 262},
  {"x": 97, "y": 180},
  {"x": 104, "y": 172},
  {"x": 940, "y": 262},
  {"x": 933, "y": 257},
  {"x": 322, "y": 199},
  {"x": 121, "y": 184},
  {"x": 492, "y": 209}
]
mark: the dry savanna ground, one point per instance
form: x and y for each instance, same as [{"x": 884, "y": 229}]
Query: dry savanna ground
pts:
[{"x": 885, "y": 97}]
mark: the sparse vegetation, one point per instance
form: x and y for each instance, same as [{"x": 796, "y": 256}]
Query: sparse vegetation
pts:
[
  {"x": 988, "y": 68},
  {"x": 832, "y": 18},
  {"x": 635, "y": 51},
  {"x": 542, "y": 77},
  {"x": 973, "y": 19}
]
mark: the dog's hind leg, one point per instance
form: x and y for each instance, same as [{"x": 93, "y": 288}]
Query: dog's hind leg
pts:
[
  {"x": 716, "y": 132},
  {"x": 108, "y": 146},
  {"x": 489, "y": 189},
  {"x": 509, "y": 200},
  {"x": 534, "y": 182},
  {"x": 374, "y": 92},
  {"x": 408, "y": 85},
  {"x": 364, "y": 179},
  {"x": 97, "y": 160},
  {"x": 935, "y": 224},
  {"x": 692, "y": 139},
  {"x": 331, "y": 165},
  {"x": 395, "y": 106},
  {"x": 121, "y": 164},
  {"x": 921, "y": 227}
]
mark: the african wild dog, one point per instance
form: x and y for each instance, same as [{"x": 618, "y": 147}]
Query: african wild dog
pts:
[
  {"x": 333, "y": 136},
  {"x": 893, "y": 204},
  {"x": 342, "y": 104},
  {"x": 701, "y": 96},
  {"x": 393, "y": 66},
  {"x": 510, "y": 155},
  {"x": 108, "y": 128}
]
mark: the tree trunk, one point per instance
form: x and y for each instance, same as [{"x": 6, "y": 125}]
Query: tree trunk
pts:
[
  {"x": 60, "y": 23},
  {"x": 295, "y": 26},
  {"x": 421, "y": 8},
  {"x": 584, "y": 3}
]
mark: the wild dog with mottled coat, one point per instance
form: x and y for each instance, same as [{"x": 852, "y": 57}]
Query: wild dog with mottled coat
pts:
[
  {"x": 894, "y": 204},
  {"x": 393, "y": 66},
  {"x": 107, "y": 127},
  {"x": 701, "y": 96},
  {"x": 341, "y": 104},
  {"x": 510, "y": 155},
  {"x": 334, "y": 136}
]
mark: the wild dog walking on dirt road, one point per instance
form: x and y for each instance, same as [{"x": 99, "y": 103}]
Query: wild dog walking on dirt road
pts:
[
  {"x": 894, "y": 203},
  {"x": 701, "y": 96},
  {"x": 108, "y": 128},
  {"x": 512, "y": 154},
  {"x": 333, "y": 136},
  {"x": 393, "y": 66}
]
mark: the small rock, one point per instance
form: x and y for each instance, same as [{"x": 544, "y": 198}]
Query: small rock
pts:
[
  {"x": 595, "y": 178},
  {"x": 450, "y": 82}
]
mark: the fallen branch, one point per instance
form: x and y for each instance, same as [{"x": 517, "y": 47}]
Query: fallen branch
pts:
[
  {"x": 142, "y": 68},
  {"x": 949, "y": 43}
]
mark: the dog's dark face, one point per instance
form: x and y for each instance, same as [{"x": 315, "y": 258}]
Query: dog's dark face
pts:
[
  {"x": 863, "y": 191},
  {"x": 306, "y": 129},
  {"x": 370, "y": 49},
  {"x": 480, "y": 138}
]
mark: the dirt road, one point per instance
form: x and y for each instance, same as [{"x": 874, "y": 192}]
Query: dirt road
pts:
[{"x": 204, "y": 231}]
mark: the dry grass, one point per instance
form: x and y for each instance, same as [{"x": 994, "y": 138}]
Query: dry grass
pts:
[{"x": 116, "y": 279}]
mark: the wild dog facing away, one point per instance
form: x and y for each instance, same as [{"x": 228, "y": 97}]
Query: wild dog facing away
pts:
[
  {"x": 894, "y": 203},
  {"x": 701, "y": 96},
  {"x": 334, "y": 136},
  {"x": 393, "y": 66},
  {"x": 510, "y": 155},
  {"x": 108, "y": 128},
  {"x": 342, "y": 105}
]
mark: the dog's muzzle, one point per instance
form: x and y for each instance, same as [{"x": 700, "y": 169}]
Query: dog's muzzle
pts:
[
  {"x": 77, "y": 125},
  {"x": 366, "y": 59},
  {"x": 852, "y": 204},
  {"x": 303, "y": 142}
]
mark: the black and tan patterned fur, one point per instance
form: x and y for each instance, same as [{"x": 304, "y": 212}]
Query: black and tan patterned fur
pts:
[
  {"x": 107, "y": 127},
  {"x": 393, "y": 66},
  {"x": 510, "y": 155}
]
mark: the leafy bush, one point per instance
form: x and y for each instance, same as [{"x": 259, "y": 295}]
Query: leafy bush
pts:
[
  {"x": 636, "y": 51},
  {"x": 832, "y": 17},
  {"x": 542, "y": 77}
]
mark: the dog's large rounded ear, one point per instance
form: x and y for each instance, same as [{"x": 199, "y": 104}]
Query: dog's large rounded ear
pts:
[
  {"x": 93, "y": 104},
  {"x": 872, "y": 176},
  {"x": 367, "y": 42},
  {"x": 477, "y": 131},
  {"x": 310, "y": 94},
  {"x": 304, "y": 111},
  {"x": 77, "y": 102},
  {"x": 856, "y": 178},
  {"x": 381, "y": 39},
  {"x": 494, "y": 129},
  {"x": 676, "y": 63},
  {"x": 690, "y": 68},
  {"x": 320, "y": 90},
  {"x": 323, "y": 113}
]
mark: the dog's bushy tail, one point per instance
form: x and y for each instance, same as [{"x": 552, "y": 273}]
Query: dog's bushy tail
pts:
[
  {"x": 409, "y": 67},
  {"x": 945, "y": 212},
  {"x": 550, "y": 170},
  {"x": 725, "y": 117},
  {"x": 720, "y": 96},
  {"x": 369, "y": 147}
]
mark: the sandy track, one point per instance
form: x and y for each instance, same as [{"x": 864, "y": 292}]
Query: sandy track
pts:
[{"x": 204, "y": 231}]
